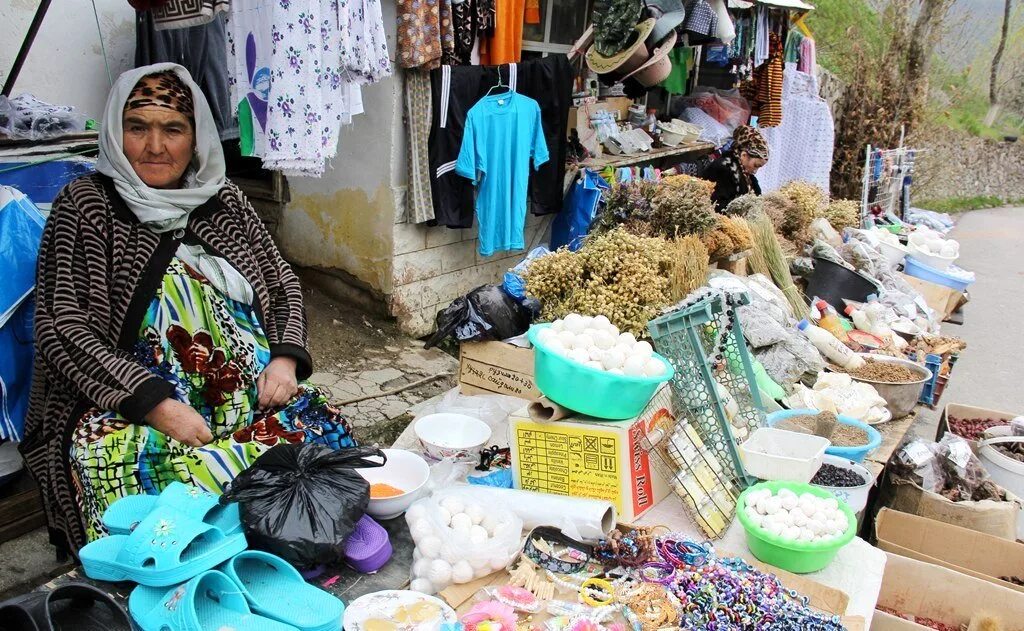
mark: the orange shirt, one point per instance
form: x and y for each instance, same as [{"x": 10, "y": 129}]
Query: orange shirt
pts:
[{"x": 506, "y": 46}]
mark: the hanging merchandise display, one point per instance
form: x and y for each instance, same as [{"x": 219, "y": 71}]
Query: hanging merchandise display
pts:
[
  {"x": 503, "y": 136},
  {"x": 801, "y": 146},
  {"x": 505, "y": 45},
  {"x": 419, "y": 34},
  {"x": 174, "y": 14},
  {"x": 417, "y": 126},
  {"x": 456, "y": 89},
  {"x": 701, "y": 23},
  {"x": 764, "y": 90}
]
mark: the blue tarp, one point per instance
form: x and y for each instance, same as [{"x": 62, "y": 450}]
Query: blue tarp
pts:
[{"x": 21, "y": 227}]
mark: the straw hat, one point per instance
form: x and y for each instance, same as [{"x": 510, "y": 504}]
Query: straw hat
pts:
[
  {"x": 625, "y": 61},
  {"x": 658, "y": 67}
]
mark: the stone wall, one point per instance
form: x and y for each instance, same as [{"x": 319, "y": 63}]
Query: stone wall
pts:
[{"x": 956, "y": 164}]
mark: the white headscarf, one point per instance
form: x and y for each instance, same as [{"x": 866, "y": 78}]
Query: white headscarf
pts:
[{"x": 161, "y": 210}]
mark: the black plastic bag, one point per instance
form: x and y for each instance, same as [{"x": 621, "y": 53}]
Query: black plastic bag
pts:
[
  {"x": 299, "y": 501},
  {"x": 487, "y": 313}
]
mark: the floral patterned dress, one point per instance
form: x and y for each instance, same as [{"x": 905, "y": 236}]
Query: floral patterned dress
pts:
[{"x": 213, "y": 349}]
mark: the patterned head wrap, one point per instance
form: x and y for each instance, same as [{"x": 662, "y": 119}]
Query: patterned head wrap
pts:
[
  {"x": 748, "y": 139},
  {"x": 165, "y": 90}
]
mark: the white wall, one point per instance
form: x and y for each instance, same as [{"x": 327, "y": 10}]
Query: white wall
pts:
[{"x": 65, "y": 65}]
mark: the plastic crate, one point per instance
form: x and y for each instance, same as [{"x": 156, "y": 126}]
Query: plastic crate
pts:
[{"x": 688, "y": 338}]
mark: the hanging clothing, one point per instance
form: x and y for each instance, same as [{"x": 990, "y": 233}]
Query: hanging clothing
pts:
[
  {"x": 202, "y": 50},
  {"x": 701, "y": 23},
  {"x": 172, "y": 14},
  {"x": 417, "y": 125},
  {"x": 801, "y": 147},
  {"x": 362, "y": 45},
  {"x": 455, "y": 89},
  {"x": 419, "y": 33},
  {"x": 111, "y": 457},
  {"x": 503, "y": 136},
  {"x": 764, "y": 90},
  {"x": 505, "y": 46},
  {"x": 250, "y": 56},
  {"x": 579, "y": 211},
  {"x": 682, "y": 59},
  {"x": 761, "y": 32},
  {"x": 464, "y": 27},
  {"x": 808, "y": 56},
  {"x": 792, "y": 48},
  {"x": 447, "y": 25}
]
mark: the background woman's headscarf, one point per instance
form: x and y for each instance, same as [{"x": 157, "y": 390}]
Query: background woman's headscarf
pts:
[
  {"x": 161, "y": 210},
  {"x": 748, "y": 139}
]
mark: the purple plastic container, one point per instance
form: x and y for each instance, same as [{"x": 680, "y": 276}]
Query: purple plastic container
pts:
[{"x": 368, "y": 547}]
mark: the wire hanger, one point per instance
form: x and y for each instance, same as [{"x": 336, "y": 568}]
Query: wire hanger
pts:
[{"x": 500, "y": 84}]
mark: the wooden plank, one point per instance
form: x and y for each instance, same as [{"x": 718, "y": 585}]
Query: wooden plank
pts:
[
  {"x": 892, "y": 435},
  {"x": 697, "y": 147}
]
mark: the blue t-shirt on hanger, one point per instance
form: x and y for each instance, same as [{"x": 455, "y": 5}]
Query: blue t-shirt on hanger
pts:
[{"x": 503, "y": 134}]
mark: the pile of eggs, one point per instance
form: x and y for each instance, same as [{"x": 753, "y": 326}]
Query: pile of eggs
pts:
[
  {"x": 806, "y": 517},
  {"x": 458, "y": 541},
  {"x": 933, "y": 243},
  {"x": 597, "y": 343}
]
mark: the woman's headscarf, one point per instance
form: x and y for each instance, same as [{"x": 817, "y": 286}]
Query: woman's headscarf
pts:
[
  {"x": 748, "y": 139},
  {"x": 161, "y": 210}
]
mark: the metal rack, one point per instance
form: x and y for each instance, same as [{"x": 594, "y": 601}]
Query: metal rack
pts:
[{"x": 885, "y": 185}]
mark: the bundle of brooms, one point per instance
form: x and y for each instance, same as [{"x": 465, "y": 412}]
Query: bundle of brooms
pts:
[{"x": 767, "y": 258}]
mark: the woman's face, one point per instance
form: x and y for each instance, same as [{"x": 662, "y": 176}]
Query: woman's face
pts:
[
  {"x": 750, "y": 165},
  {"x": 159, "y": 144}
]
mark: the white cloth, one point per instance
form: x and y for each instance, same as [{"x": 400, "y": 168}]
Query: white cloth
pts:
[
  {"x": 218, "y": 271},
  {"x": 761, "y": 36},
  {"x": 710, "y": 129},
  {"x": 801, "y": 146},
  {"x": 248, "y": 25},
  {"x": 726, "y": 29},
  {"x": 161, "y": 210}
]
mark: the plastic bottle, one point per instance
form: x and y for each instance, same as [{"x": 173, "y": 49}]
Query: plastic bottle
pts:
[
  {"x": 860, "y": 319},
  {"x": 878, "y": 325},
  {"x": 830, "y": 346},
  {"x": 651, "y": 123},
  {"x": 830, "y": 321}
]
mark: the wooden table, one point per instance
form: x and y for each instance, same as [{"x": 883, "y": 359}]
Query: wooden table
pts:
[{"x": 892, "y": 435}]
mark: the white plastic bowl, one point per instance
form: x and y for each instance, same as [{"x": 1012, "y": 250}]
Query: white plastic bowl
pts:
[
  {"x": 894, "y": 254},
  {"x": 403, "y": 470},
  {"x": 856, "y": 497},
  {"x": 454, "y": 436},
  {"x": 931, "y": 260},
  {"x": 777, "y": 454}
]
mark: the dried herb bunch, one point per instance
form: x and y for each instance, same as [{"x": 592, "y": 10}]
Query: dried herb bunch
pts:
[
  {"x": 731, "y": 235},
  {"x": 682, "y": 206},
  {"x": 746, "y": 206},
  {"x": 689, "y": 266},
  {"x": 807, "y": 202},
  {"x": 618, "y": 274},
  {"x": 767, "y": 258},
  {"x": 628, "y": 203},
  {"x": 843, "y": 213}
]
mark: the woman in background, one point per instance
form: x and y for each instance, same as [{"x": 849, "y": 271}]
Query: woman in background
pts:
[{"x": 734, "y": 173}]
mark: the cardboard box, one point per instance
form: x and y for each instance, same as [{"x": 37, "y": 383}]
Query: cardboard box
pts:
[
  {"x": 943, "y": 300},
  {"x": 497, "y": 368},
  {"x": 965, "y": 551},
  {"x": 929, "y": 591},
  {"x": 957, "y": 410},
  {"x": 587, "y": 457},
  {"x": 990, "y": 517}
]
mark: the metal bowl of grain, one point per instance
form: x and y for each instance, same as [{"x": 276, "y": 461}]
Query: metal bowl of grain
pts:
[{"x": 898, "y": 381}]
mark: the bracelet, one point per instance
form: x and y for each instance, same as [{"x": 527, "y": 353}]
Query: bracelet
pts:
[
  {"x": 603, "y": 586},
  {"x": 660, "y": 573},
  {"x": 551, "y": 562}
]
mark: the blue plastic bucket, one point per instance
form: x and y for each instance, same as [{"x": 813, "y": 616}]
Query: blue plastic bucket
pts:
[{"x": 857, "y": 454}]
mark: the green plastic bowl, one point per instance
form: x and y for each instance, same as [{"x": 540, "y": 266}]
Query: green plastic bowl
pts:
[
  {"x": 793, "y": 556},
  {"x": 590, "y": 391}
]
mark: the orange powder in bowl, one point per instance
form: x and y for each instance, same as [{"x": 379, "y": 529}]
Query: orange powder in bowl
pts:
[{"x": 379, "y": 490}]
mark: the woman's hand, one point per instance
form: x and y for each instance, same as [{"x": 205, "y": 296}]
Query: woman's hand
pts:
[
  {"x": 277, "y": 383},
  {"x": 180, "y": 422}
]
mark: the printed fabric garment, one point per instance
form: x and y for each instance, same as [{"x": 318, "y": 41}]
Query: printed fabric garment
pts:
[
  {"x": 417, "y": 126},
  {"x": 792, "y": 47},
  {"x": 419, "y": 33},
  {"x": 503, "y": 135},
  {"x": 764, "y": 90},
  {"x": 464, "y": 27},
  {"x": 505, "y": 46},
  {"x": 808, "y": 56},
  {"x": 801, "y": 147},
  {"x": 212, "y": 349},
  {"x": 447, "y": 34},
  {"x": 249, "y": 76},
  {"x": 203, "y": 51},
  {"x": 363, "y": 46},
  {"x": 701, "y": 23},
  {"x": 173, "y": 14},
  {"x": 761, "y": 35}
]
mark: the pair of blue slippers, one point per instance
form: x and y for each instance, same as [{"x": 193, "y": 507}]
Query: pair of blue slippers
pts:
[{"x": 188, "y": 554}]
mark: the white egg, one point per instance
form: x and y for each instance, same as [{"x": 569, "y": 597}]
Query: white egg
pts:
[
  {"x": 613, "y": 331},
  {"x": 450, "y": 553},
  {"x": 603, "y": 340},
  {"x": 476, "y": 512},
  {"x": 634, "y": 365},
  {"x": 430, "y": 547},
  {"x": 595, "y": 365},
  {"x": 808, "y": 507},
  {"x": 574, "y": 323},
  {"x": 490, "y": 521},
  {"x": 478, "y": 535},
  {"x": 786, "y": 518},
  {"x": 596, "y": 354},
  {"x": 613, "y": 359},
  {"x": 772, "y": 505},
  {"x": 792, "y": 532},
  {"x": 799, "y": 519},
  {"x": 809, "y": 497},
  {"x": 616, "y": 371},
  {"x": 416, "y": 554},
  {"x": 816, "y": 539},
  {"x": 583, "y": 341},
  {"x": 422, "y": 585},
  {"x": 420, "y": 568},
  {"x": 567, "y": 338},
  {"x": 579, "y": 355},
  {"x": 546, "y": 335},
  {"x": 558, "y": 326},
  {"x": 789, "y": 502},
  {"x": 462, "y": 572},
  {"x": 600, "y": 322},
  {"x": 453, "y": 504},
  {"x": 444, "y": 515},
  {"x": 842, "y": 522},
  {"x": 805, "y": 535},
  {"x": 786, "y": 493},
  {"x": 415, "y": 513},
  {"x": 819, "y": 516},
  {"x": 420, "y": 529},
  {"x": 440, "y": 573},
  {"x": 555, "y": 346},
  {"x": 478, "y": 562},
  {"x": 628, "y": 339},
  {"x": 497, "y": 563},
  {"x": 831, "y": 503},
  {"x": 588, "y": 321},
  {"x": 461, "y": 523},
  {"x": 762, "y": 503},
  {"x": 816, "y": 526},
  {"x": 643, "y": 349},
  {"x": 480, "y": 572},
  {"x": 775, "y": 528},
  {"x": 654, "y": 368}
]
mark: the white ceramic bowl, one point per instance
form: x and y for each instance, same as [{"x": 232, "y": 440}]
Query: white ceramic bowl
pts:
[
  {"x": 454, "y": 436},
  {"x": 403, "y": 470},
  {"x": 855, "y": 496}
]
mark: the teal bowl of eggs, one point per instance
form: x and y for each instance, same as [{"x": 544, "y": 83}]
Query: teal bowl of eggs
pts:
[{"x": 586, "y": 365}]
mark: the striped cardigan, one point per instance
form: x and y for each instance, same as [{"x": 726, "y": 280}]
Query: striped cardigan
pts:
[{"x": 99, "y": 269}]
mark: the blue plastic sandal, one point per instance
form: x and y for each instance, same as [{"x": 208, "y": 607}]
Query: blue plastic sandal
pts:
[
  {"x": 276, "y": 590},
  {"x": 166, "y": 548},
  {"x": 126, "y": 513},
  {"x": 208, "y": 602}
]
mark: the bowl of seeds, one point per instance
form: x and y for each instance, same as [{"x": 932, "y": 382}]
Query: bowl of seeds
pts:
[
  {"x": 898, "y": 381},
  {"x": 850, "y": 438}
]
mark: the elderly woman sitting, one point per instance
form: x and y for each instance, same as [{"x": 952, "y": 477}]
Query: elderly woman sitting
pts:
[{"x": 170, "y": 333}]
